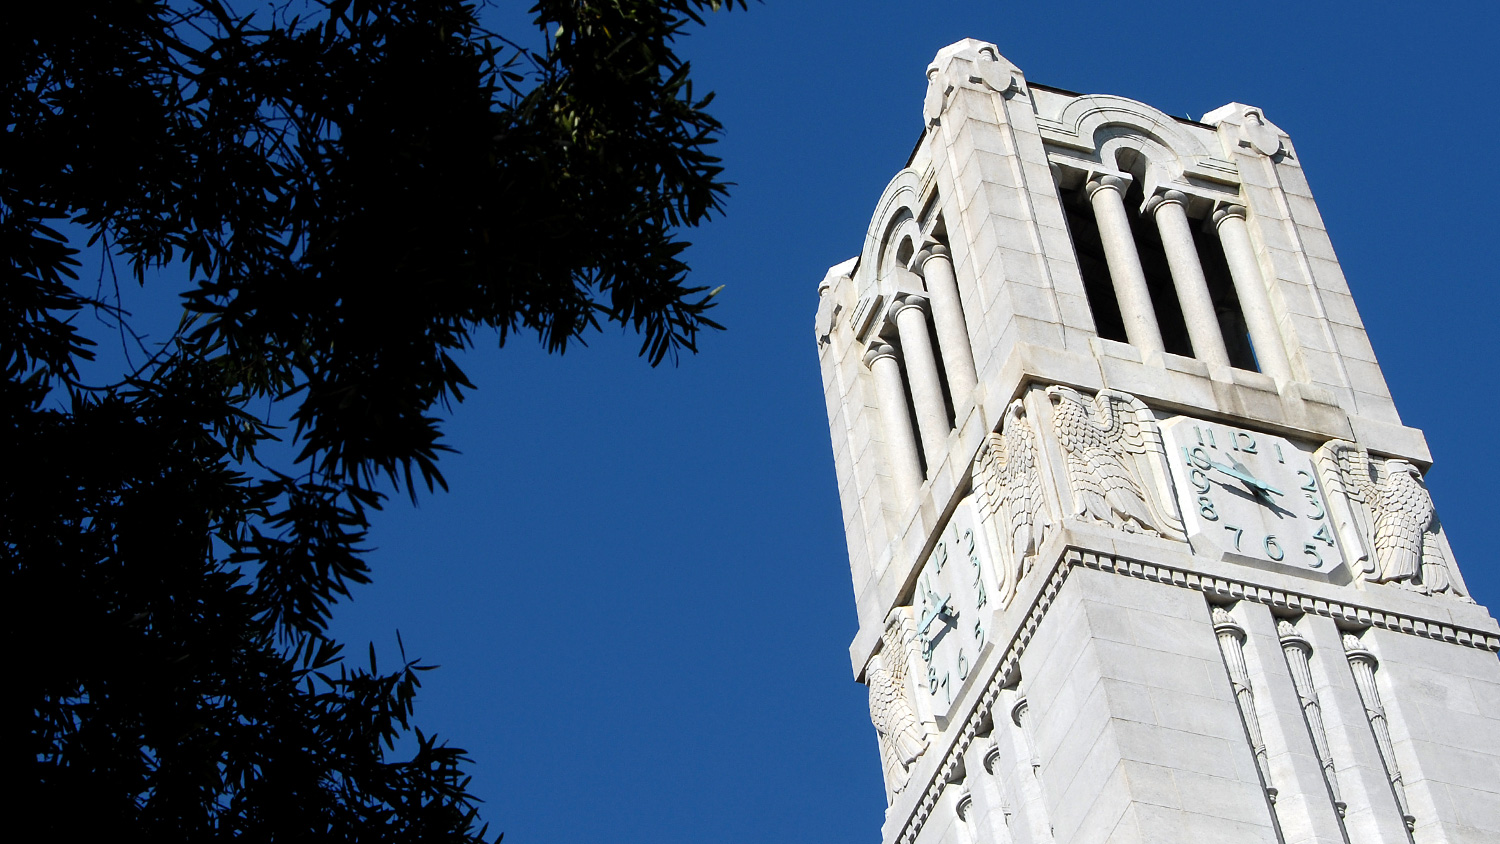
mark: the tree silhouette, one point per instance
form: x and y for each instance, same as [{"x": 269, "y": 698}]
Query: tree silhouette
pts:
[{"x": 352, "y": 190}]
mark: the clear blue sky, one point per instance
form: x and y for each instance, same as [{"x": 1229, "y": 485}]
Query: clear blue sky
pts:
[{"x": 637, "y": 587}]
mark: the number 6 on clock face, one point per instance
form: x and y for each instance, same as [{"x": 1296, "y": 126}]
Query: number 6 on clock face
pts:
[{"x": 1250, "y": 495}]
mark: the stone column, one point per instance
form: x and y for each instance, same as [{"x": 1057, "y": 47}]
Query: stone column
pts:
[
  {"x": 901, "y": 444},
  {"x": 999, "y": 809},
  {"x": 1232, "y": 646},
  {"x": 1297, "y": 651},
  {"x": 1021, "y": 715},
  {"x": 963, "y": 806},
  {"x": 1029, "y": 774},
  {"x": 948, "y": 317},
  {"x": 1363, "y": 664},
  {"x": 1107, "y": 195},
  {"x": 1255, "y": 302},
  {"x": 1198, "y": 311},
  {"x": 922, "y": 377}
]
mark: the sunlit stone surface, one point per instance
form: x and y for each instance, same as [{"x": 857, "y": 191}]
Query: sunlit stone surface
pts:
[{"x": 1181, "y": 582}]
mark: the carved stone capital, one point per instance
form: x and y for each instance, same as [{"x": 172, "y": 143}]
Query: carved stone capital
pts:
[
  {"x": 1226, "y": 211},
  {"x": 1165, "y": 198},
  {"x": 877, "y": 351},
  {"x": 1018, "y": 712},
  {"x": 932, "y": 250},
  {"x": 964, "y": 803},
  {"x": 1290, "y": 637},
  {"x": 1224, "y": 623},
  {"x": 910, "y": 300},
  {"x": 1102, "y": 182},
  {"x": 991, "y": 756},
  {"x": 1357, "y": 652}
]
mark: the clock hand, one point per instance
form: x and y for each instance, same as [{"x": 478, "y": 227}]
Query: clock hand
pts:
[
  {"x": 1257, "y": 481},
  {"x": 932, "y": 616},
  {"x": 1239, "y": 471}
]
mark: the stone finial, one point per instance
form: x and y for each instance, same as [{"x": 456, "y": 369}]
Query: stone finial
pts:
[
  {"x": 937, "y": 94},
  {"x": 1247, "y": 126},
  {"x": 992, "y": 72},
  {"x": 1260, "y": 135}
]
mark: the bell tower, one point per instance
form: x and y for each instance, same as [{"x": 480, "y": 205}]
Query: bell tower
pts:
[{"x": 1140, "y": 546}]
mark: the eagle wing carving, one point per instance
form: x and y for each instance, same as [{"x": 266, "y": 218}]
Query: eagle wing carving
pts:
[
  {"x": 1401, "y": 519},
  {"x": 1103, "y": 441},
  {"x": 1008, "y": 487},
  {"x": 1403, "y": 511},
  {"x": 902, "y": 738}
]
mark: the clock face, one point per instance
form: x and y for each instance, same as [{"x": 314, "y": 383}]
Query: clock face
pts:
[
  {"x": 952, "y": 604},
  {"x": 1251, "y": 494}
]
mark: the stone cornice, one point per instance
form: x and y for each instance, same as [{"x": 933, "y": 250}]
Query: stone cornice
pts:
[{"x": 1349, "y": 612}]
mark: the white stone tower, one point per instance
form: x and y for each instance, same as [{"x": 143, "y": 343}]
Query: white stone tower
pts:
[{"x": 1140, "y": 546}]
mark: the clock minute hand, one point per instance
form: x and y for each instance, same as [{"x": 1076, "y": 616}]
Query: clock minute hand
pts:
[
  {"x": 932, "y": 616},
  {"x": 1240, "y": 472},
  {"x": 1257, "y": 481}
]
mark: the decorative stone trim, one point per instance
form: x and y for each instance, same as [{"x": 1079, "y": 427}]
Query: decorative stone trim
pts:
[
  {"x": 1297, "y": 650},
  {"x": 1010, "y": 662},
  {"x": 1232, "y": 647},
  {"x": 1341, "y": 611},
  {"x": 1363, "y": 664}
]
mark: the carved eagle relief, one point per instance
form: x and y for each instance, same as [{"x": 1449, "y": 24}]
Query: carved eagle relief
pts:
[
  {"x": 1107, "y": 443},
  {"x": 1397, "y": 515},
  {"x": 902, "y": 739},
  {"x": 1008, "y": 493}
]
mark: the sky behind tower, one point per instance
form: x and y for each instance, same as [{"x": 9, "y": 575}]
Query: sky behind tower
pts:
[{"x": 637, "y": 587}]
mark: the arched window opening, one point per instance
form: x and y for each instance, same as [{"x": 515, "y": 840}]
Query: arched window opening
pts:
[
  {"x": 904, "y": 253},
  {"x": 923, "y": 458},
  {"x": 1088, "y": 246},
  {"x": 1226, "y": 301},
  {"x": 1155, "y": 272},
  {"x": 1174, "y": 333}
]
